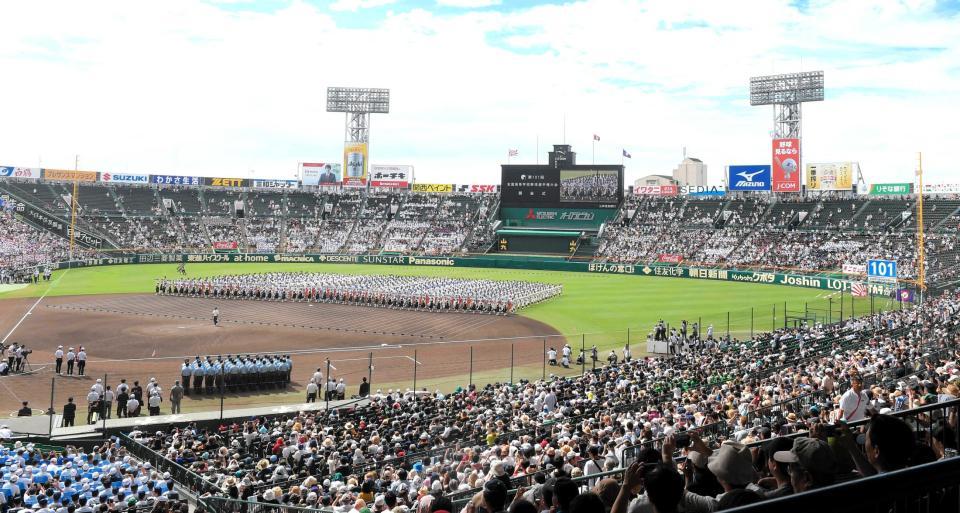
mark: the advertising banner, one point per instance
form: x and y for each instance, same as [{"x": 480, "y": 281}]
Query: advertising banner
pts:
[
  {"x": 486, "y": 261},
  {"x": 276, "y": 184},
  {"x": 786, "y": 165},
  {"x": 57, "y": 225},
  {"x": 438, "y": 188},
  {"x": 321, "y": 173},
  {"x": 175, "y": 180},
  {"x": 124, "y": 178},
  {"x": 941, "y": 188},
  {"x": 25, "y": 173},
  {"x": 831, "y": 176},
  {"x": 479, "y": 189},
  {"x": 226, "y": 182},
  {"x": 355, "y": 164},
  {"x": 563, "y": 218},
  {"x": 702, "y": 190},
  {"x": 670, "y": 258},
  {"x": 220, "y": 244},
  {"x": 748, "y": 178},
  {"x": 395, "y": 177},
  {"x": 891, "y": 189},
  {"x": 854, "y": 269},
  {"x": 70, "y": 175},
  {"x": 656, "y": 190}
]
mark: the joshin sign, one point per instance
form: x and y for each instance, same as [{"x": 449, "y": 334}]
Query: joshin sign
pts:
[{"x": 786, "y": 165}]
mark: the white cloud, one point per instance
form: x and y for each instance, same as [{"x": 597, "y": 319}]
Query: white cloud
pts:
[
  {"x": 356, "y": 5},
  {"x": 185, "y": 88},
  {"x": 469, "y": 4}
]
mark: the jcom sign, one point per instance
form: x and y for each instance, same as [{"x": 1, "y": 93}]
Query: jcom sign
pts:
[{"x": 786, "y": 165}]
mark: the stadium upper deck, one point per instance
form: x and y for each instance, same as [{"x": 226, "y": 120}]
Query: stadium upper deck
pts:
[{"x": 767, "y": 231}]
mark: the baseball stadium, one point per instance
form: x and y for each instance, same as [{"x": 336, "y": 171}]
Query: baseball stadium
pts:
[{"x": 567, "y": 338}]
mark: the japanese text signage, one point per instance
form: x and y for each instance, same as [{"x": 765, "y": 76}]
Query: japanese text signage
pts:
[
  {"x": 396, "y": 177},
  {"x": 69, "y": 175},
  {"x": 786, "y": 165},
  {"x": 175, "y": 180}
]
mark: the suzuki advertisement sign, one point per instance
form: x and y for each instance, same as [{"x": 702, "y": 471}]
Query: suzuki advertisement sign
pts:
[
  {"x": 124, "y": 178},
  {"x": 748, "y": 178},
  {"x": 786, "y": 165}
]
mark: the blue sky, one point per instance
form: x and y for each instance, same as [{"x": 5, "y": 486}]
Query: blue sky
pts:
[{"x": 236, "y": 87}]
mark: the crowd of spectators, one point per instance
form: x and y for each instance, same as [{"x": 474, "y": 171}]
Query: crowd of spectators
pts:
[
  {"x": 22, "y": 246},
  {"x": 804, "y": 234},
  {"x": 707, "y": 402},
  {"x": 810, "y": 233},
  {"x": 104, "y": 479}
]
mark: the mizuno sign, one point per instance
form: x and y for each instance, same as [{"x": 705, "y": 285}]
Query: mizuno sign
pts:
[{"x": 748, "y": 178}]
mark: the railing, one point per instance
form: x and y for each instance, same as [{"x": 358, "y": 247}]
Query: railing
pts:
[
  {"x": 933, "y": 487},
  {"x": 228, "y": 505},
  {"x": 196, "y": 484}
]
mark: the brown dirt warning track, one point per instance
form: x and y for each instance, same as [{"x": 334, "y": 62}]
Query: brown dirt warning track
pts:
[{"x": 140, "y": 336}]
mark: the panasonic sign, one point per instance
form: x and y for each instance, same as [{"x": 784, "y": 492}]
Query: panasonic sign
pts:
[{"x": 748, "y": 178}]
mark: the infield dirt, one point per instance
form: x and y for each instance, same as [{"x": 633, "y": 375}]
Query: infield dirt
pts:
[{"x": 139, "y": 336}]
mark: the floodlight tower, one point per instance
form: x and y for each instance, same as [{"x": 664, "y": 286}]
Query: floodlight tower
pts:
[
  {"x": 358, "y": 103},
  {"x": 787, "y": 93}
]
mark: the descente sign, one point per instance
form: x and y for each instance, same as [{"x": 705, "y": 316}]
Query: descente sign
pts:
[{"x": 499, "y": 262}]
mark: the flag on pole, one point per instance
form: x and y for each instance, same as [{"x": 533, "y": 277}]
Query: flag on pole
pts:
[
  {"x": 512, "y": 153},
  {"x": 596, "y": 137},
  {"x": 858, "y": 289},
  {"x": 625, "y": 154}
]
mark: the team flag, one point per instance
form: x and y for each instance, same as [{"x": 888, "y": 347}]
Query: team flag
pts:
[
  {"x": 512, "y": 153},
  {"x": 625, "y": 154},
  {"x": 596, "y": 137}
]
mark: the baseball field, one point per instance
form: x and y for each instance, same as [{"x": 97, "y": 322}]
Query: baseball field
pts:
[{"x": 131, "y": 333}]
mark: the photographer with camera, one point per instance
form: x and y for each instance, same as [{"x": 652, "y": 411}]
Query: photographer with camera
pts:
[{"x": 20, "y": 357}]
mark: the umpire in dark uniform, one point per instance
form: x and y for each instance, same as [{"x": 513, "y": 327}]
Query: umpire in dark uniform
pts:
[{"x": 69, "y": 413}]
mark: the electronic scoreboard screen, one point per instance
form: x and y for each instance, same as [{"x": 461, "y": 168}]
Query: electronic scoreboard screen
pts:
[{"x": 577, "y": 187}]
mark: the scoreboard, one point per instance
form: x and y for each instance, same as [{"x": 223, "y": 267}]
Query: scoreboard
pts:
[{"x": 593, "y": 186}]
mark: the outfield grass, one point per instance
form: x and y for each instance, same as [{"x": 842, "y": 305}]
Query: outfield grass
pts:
[{"x": 604, "y": 306}]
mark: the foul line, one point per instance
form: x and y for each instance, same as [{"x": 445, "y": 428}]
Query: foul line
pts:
[{"x": 30, "y": 311}]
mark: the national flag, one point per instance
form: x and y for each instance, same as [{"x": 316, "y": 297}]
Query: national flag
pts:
[
  {"x": 512, "y": 153},
  {"x": 858, "y": 289},
  {"x": 625, "y": 154},
  {"x": 596, "y": 137}
]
